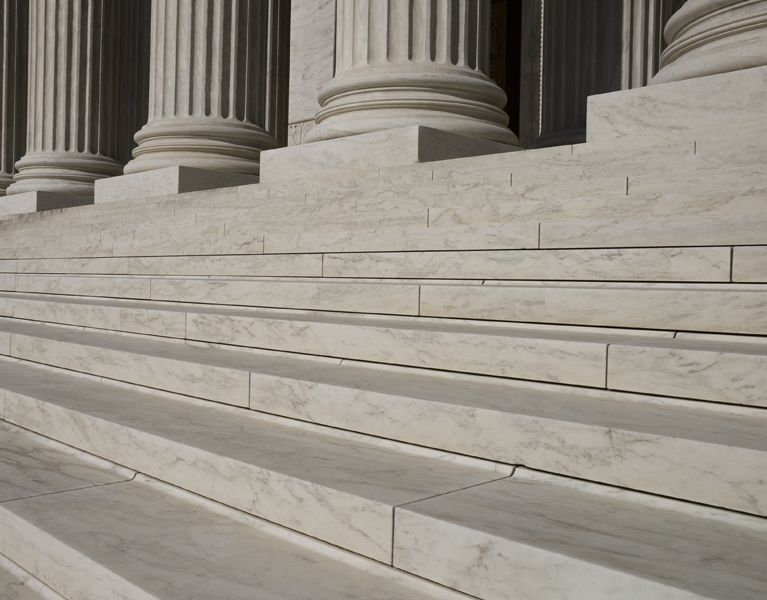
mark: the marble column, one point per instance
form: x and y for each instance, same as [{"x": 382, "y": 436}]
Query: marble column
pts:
[
  {"x": 218, "y": 85},
  {"x": 708, "y": 37},
  {"x": 582, "y": 53},
  {"x": 73, "y": 97},
  {"x": 13, "y": 87},
  {"x": 412, "y": 62}
]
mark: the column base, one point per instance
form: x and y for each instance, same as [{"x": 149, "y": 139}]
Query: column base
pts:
[
  {"x": 671, "y": 109},
  {"x": 390, "y": 148},
  {"x": 167, "y": 181},
  {"x": 29, "y": 202}
]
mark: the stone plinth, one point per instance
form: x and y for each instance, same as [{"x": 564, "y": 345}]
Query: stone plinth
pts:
[
  {"x": 401, "y": 63},
  {"x": 393, "y": 147},
  {"x": 30, "y": 202},
  {"x": 162, "y": 182},
  {"x": 218, "y": 85},
  {"x": 715, "y": 101},
  {"x": 707, "y": 37}
]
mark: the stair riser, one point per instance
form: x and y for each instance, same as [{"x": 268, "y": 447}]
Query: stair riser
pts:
[
  {"x": 616, "y": 207},
  {"x": 348, "y": 521},
  {"x": 731, "y": 377},
  {"x": 229, "y": 386},
  {"x": 71, "y": 574},
  {"x": 717, "y": 475},
  {"x": 723, "y": 311}
]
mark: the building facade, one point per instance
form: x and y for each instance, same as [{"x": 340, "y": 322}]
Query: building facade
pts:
[{"x": 94, "y": 89}]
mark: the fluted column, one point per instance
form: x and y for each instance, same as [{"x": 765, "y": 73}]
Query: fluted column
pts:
[
  {"x": 582, "y": 55},
  {"x": 218, "y": 84},
  {"x": 412, "y": 62},
  {"x": 707, "y": 37},
  {"x": 73, "y": 96},
  {"x": 13, "y": 87}
]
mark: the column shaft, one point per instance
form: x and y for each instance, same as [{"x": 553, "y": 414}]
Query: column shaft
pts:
[
  {"x": 13, "y": 87},
  {"x": 218, "y": 84},
  {"x": 412, "y": 62}
]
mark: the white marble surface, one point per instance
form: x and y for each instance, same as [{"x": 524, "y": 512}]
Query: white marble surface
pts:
[
  {"x": 675, "y": 307},
  {"x": 719, "y": 371},
  {"x": 391, "y": 147},
  {"x": 676, "y": 448},
  {"x": 139, "y": 540},
  {"x": 706, "y": 102},
  {"x": 147, "y": 362},
  {"x": 163, "y": 182},
  {"x": 564, "y": 356},
  {"x": 749, "y": 264},
  {"x": 532, "y": 537},
  {"x": 79, "y": 266},
  {"x": 339, "y": 490},
  {"x": 29, "y": 202},
  {"x": 490, "y": 237},
  {"x": 667, "y": 231},
  {"x": 17, "y": 585},
  {"x": 663, "y": 204},
  {"x": 661, "y": 264},
  {"x": 97, "y": 314},
  {"x": 33, "y": 466},
  {"x": 258, "y": 265},
  {"x": 119, "y": 287},
  {"x": 707, "y": 37},
  {"x": 252, "y": 243},
  {"x": 348, "y": 297},
  {"x": 312, "y": 50},
  {"x": 697, "y": 181}
]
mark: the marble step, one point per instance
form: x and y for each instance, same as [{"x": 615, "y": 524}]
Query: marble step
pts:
[
  {"x": 17, "y": 584},
  {"x": 587, "y": 434},
  {"x": 715, "y": 308},
  {"x": 705, "y": 367},
  {"x": 540, "y": 536},
  {"x": 144, "y": 540},
  {"x": 736, "y": 230},
  {"x": 730, "y": 369},
  {"x": 702, "y": 452},
  {"x": 557, "y": 355},
  {"x": 755, "y": 175},
  {"x": 594, "y": 168},
  {"x": 733, "y": 201},
  {"x": 704, "y": 264},
  {"x": 339, "y": 488}
]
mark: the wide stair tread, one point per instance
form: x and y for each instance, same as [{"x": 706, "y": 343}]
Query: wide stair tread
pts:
[
  {"x": 138, "y": 539},
  {"x": 605, "y": 436}
]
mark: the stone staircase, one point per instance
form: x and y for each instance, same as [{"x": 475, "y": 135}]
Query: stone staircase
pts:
[{"x": 537, "y": 375}]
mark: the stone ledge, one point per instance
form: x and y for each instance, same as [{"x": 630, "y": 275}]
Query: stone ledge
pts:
[
  {"x": 167, "y": 181},
  {"x": 390, "y": 148},
  {"x": 29, "y": 202}
]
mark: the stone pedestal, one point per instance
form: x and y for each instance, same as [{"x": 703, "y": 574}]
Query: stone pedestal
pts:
[
  {"x": 74, "y": 96},
  {"x": 29, "y": 202},
  {"x": 13, "y": 87},
  {"x": 389, "y": 148},
  {"x": 163, "y": 182},
  {"x": 707, "y": 37},
  {"x": 412, "y": 62},
  {"x": 733, "y": 102},
  {"x": 218, "y": 85},
  {"x": 582, "y": 44}
]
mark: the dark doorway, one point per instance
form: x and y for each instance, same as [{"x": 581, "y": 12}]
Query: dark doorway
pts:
[{"x": 506, "y": 53}]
